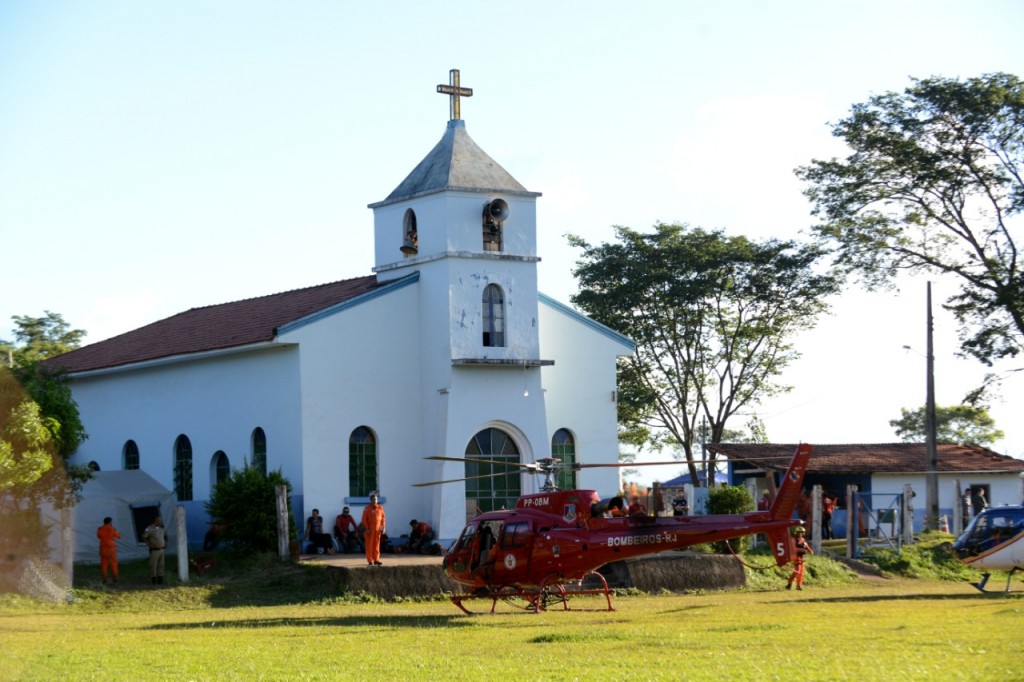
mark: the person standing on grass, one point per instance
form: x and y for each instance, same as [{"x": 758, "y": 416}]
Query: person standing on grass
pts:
[
  {"x": 374, "y": 526},
  {"x": 802, "y": 549},
  {"x": 155, "y": 536},
  {"x": 108, "y": 550}
]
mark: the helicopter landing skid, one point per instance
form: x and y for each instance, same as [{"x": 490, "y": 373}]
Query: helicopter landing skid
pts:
[
  {"x": 980, "y": 586},
  {"x": 549, "y": 593}
]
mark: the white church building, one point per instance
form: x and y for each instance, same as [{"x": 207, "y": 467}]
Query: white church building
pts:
[{"x": 447, "y": 349}]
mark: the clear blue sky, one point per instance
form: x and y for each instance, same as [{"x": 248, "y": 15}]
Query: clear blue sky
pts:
[{"x": 160, "y": 156}]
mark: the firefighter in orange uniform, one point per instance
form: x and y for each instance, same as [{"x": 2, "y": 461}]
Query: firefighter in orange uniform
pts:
[
  {"x": 108, "y": 550},
  {"x": 802, "y": 549},
  {"x": 374, "y": 527}
]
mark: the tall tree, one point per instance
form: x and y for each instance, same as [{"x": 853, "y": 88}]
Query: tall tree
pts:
[
  {"x": 39, "y": 338},
  {"x": 934, "y": 184},
  {"x": 712, "y": 316},
  {"x": 961, "y": 424}
]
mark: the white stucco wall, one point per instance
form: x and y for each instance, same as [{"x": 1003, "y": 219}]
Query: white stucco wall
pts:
[
  {"x": 216, "y": 402},
  {"x": 361, "y": 367},
  {"x": 1005, "y": 488},
  {"x": 580, "y": 389}
]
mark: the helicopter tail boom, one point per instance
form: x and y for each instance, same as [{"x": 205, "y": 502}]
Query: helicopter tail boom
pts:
[{"x": 785, "y": 501}]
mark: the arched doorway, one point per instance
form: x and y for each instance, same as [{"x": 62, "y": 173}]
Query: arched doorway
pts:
[{"x": 497, "y": 491}]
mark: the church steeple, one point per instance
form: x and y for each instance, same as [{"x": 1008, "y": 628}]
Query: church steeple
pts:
[
  {"x": 458, "y": 164},
  {"x": 456, "y": 202},
  {"x": 469, "y": 230}
]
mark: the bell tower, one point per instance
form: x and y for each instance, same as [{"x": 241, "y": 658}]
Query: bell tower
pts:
[
  {"x": 465, "y": 231},
  {"x": 469, "y": 229}
]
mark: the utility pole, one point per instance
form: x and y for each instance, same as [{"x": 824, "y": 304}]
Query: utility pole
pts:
[{"x": 931, "y": 455}]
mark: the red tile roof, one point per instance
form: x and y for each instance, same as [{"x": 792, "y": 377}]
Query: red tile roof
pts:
[
  {"x": 878, "y": 458},
  {"x": 240, "y": 323}
]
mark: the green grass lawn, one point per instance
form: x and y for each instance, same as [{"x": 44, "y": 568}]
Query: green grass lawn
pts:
[{"x": 862, "y": 630}]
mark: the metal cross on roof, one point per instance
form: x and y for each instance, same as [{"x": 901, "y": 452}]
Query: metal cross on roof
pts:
[{"x": 454, "y": 91}]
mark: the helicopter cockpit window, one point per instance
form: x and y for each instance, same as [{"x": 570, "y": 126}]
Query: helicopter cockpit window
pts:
[
  {"x": 995, "y": 526},
  {"x": 467, "y": 536},
  {"x": 515, "y": 534}
]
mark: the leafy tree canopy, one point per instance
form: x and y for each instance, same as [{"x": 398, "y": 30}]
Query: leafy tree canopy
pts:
[
  {"x": 712, "y": 316},
  {"x": 24, "y": 447},
  {"x": 961, "y": 424},
  {"x": 934, "y": 183},
  {"x": 31, "y": 469},
  {"x": 39, "y": 338}
]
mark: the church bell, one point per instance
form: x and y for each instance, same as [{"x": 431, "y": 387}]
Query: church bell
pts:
[{"x": 409, "y": 247}]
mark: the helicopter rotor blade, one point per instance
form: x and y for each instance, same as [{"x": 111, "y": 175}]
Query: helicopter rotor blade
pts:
[
  {"x": 457, "y": 480},
  {"x": 680, "y": 462},
  {"x": 479, "y": 460}
]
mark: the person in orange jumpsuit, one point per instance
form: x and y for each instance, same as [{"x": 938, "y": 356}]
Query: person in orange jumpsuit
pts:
[
  {"x": 374, "y": 526},
  {"x": 108, "y": 550},
  {"x": 802, "y": 549}
]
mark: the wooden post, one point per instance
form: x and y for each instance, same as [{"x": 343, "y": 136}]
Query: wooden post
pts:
[
  {"x": 67, "y": 543},
  {"x": 908, "y": 515},
  {"x": 957, "y": 527},
  {"x": 182, "y": 533},
  {"x": 282, "y": 522},
  {"x": 816, "y": 519},
  {"x": 851, "y": 521}
]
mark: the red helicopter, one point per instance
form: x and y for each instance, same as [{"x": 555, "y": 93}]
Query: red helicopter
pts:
[{"x": 556, "y": 538}]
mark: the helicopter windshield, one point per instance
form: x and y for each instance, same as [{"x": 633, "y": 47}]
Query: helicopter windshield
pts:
[
  {"x": 991, "y": 528},
  {"x": 467, "y": 536}
]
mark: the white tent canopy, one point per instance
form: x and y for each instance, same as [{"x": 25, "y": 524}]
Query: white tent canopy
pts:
[{"x": 132, "y": 499}]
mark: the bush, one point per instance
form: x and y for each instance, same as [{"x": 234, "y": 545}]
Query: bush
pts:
[
  {"x": 730, "y": 499},
  {"x": 930, "y": 558},
  {"x": 245, "y": 506}
]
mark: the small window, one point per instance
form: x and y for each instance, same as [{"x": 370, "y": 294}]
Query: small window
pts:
[
  {"x": 259, "y": 450},
  {"x": 362, "y": 463},
  {"x": 410, "y": 234},
  {"x": 563, "y": 446},
  {"x": 221, "y": 467},
  {"x": 93, "y": 466},
  {"x": 183, "y": 468},
  {"x": 130, "y": 456},
  {"x": 493, "y": 316},
  {"x": 515, "y": 535}
]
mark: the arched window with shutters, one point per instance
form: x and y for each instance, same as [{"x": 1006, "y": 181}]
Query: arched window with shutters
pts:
[
  {"x": 494, "y": 492},
  {"x": 362, "y": 463},
  {"x": 130, "y": 456},
  {"x": 563, "y": 446},
  {"x": 221, "y": 468},
  {"x": 183, "y": 468},
  {"x": 259, "y": 450},
  {"x": 493, "y": 316}
]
